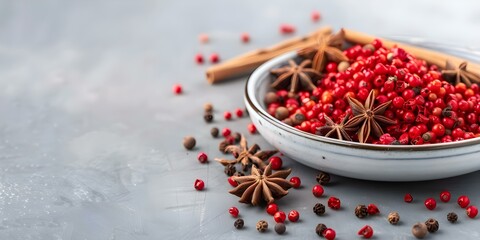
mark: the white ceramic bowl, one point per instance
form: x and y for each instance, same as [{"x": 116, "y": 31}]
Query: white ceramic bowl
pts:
[{"x": 353, "y": 159}]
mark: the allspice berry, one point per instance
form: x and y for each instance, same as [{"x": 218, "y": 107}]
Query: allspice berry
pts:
[
  {"x": 452, "y": 217},
  {"x": 369, "y": 46},
  {"x": 262, "y": 226},
  {"x": 319, "y": 209},
  {"x": 230, "y": 169},
  {"x": 208, "y": 117},
  {"x": 419, "y": 230},
  {"x": 208, "y": 107},
  {"x": 288, "y": 121},
  {"x": 361, "y": 211},
  {"x": 238, "y": 224},
  {"x": 323, "y": 178},
  {"x": 320, "y": 229},
  {"x": 280, "y": 228},
  {"x": 342, "y": 66},
  {"x": 298, "y": 118},
  {"x": 281, "y": 113},
  {"x": 222, "y": 145},
  {"x": 393, "y": 218},
  {"x": 189, "y": 142},
  {"x": 271, "y": 97},
  {"x": 237, "y": 136},
  {"x": 214, "y": 132},
  {"x": 432, "y": 225}
]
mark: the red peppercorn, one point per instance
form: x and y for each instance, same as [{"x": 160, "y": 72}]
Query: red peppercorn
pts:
[
  {"x": 245, "y": 37},
  {"x": 177, "y": 89},
  {"x": 463, "y": 201},
  {"x": 331, "y": 67},
  {"x": 293, "y": 216},
  {"x": 334, "y": 203},
  {"x": 295, "y": 182},
  {"x": 377, "y": 43},
  {"x": 251, "y": 128},
  {"x": 366, "y": 231},
  {"x": 226, "y": 132},
  {"x": 315, "y": 16},
  {"x": 233, "y": 211},
  {"x": 372, "y": 209},
  {"x": 430, "y": 203},
  {"x": 287, "y": 28},
  {"x": 317, "y": 190},
  {"x": 438, "y": 129},
  {"x": 275, "y": 162},
  {"x": 329, "y": 234},
  {"x": 272, "y": 208},
  {"x": 408, "y": 198},
  {"x": 232, "y": 182},
  {"x": 227, "y": 115},
  {"x": 239, "y": 112},
  {"x": 445, "y": 196},
  {"x": 471, "y": 211},
  {"x": 199, "y": 58},
  {"x": 202, "y": 157},
  {"x": 214, "y": 58},
  {"x": 279, "y": 217},
  {"x": 199, "y": 184},
  {"x": 203, "y": 38}
]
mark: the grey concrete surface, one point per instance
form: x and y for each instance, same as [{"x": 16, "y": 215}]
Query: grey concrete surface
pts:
[{"x": 90, "y": 132}]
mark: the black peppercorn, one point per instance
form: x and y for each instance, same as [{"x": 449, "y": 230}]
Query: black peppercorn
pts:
[
  {"x": 189, "y": 142},
  {"x": 280, "y": 228},
  {"x": 262, "y": 226},
  {"x": 238, "y": 224},
  {"x": 222, "y": 146},
  {"x": 452, "y": 217},
  {"x": 432, "y": 225},
  {"x": 319, "y": 209},
  {"x": 230, "y": 169},
  {"x": 320, "y": 229},
  {"x": 323, "y": 178},
  {"x": 361, "y": 211},
  {"x": 237, "y": 136},
  {"x": 214, "y": 132},
  {"x": 208, "y": 117},
  {"x": 298, "y": 118}
]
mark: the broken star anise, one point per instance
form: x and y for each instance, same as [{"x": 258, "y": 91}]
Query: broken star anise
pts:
[
  {"x": 368, "y": 117},
  {"x": 246, "y": 156},
  {"x": 295, "y": 76},
  {"x": 328, "y": 48},
  {"x": 337, "y": 130},
  {"x": 262, "y": 187},
  {"x": 460, "y": 74}
]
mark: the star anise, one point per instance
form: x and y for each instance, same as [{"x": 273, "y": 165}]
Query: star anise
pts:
[
  {"x": 460, "y": 74},
  {"x": 368, "y": 117},
  {"x": 295, "y": 75},
  {"x": 266, "y": 186},
  {"x": 337, "y": 130},
  {"x": 246, "y": 155},
  {"x": 328, "y": 48}
]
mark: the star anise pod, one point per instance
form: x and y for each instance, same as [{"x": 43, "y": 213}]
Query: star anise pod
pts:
[
  {"x": 328, "y": 48},
  {"x": 266, "y": 186},
  {"x": 246, "y": 156},
  {"x": 337, "y": 130},
  {"x": 295, "y": 75},
  {"x": 368, "y": 117},
  {"x": 460, "y": 74}
]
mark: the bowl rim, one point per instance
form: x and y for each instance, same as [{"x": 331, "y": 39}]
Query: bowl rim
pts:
[{"x": 254, "y": 103}]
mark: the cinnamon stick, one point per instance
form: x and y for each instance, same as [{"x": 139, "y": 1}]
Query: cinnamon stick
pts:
[
  {"x": 430, "y": 56},
  {"x": 247, "y": 62}
]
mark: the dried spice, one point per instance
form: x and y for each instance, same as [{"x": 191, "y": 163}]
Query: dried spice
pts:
[
  {"x": 343, "y": 66},
  {"x": 419, "y": 230},
  {"x": 393, "y": 218},
  {"x": 230, "y": 169},
  {"x": 237, "y": 136},
  {"x": 266, "y": 186},
  {"x": 281, "y": 113},
  {"x": 238, "y": 224},
  {"x": 319, "y": 209},
  {"x": 238, "y": 174},
  {"x": 432, "y": 225},
  {"x": 214, "y": 132},
  {"x": 328, "y": 48},
  {"x": 452, "y": 217},
  {"x": 262, "y": 226},
  {"x": 320, "y": 229},
  {"x": 208, "y": 107},
  {"x": 459, "y": 74},
  {"x": 368, "y": 117},
  {"x": 339, "y": 131},
  {"x": 189, "y": 142},
  {"x": 208, "y": 117},
  {"x": 296, "y": 76},
  {"x": 361, "y": 211},
  {"x": 280, "y": 228},
  {"x": 323, "y": 178},
  {"x": 222, "y": 145},
  {"x": 271, "y": 97},
  {"x": 246, "y": 156}
]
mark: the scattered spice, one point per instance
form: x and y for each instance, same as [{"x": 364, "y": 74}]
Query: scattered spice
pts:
[
  {"x": 445, "y": 196},
  {"x": 297, "y": 76},
  {"x": 202, "y": 157},
  {"x": 199, "y": 184},
  {"x": 251, "y": 128},
  {"x": 471, "y": 211},
  {"x": 334, "y": 203},
  {"x": 214, "y": 132},
  {"x": 281, "y": 113},
  {"x": 366, "y": 231},
  {"x": 452, "y": 217},
  {"x": 329, "y": 234},
  {"x": 372, "y": 209},
  {"x": 265, "y": 186},
  {"x": 463, "y": 201},
  {"x": 419, "y": 230},
  {"x": 430, "y": 203},
  {"x": 227, "y": 115},
  {"x": 237, "y": 136},
  {"x": 317, "y": 190},
  {"x": 319, "y": 209},
  {"x": 298, "y": 118},
  {"x": 226, "y": 132},
  {"x": 230, "y": 169},
  {"x": 315, "y": 15},
  {"x": 203, "y": 38},
  {"x": 223, "y": 145},
  {"x": 408, "y": 198},
  {"x": 214, "y": 58},
  {"x": 262, "y": 226},
  {"x": 272, "y": 208},
  {"x": 432, "y": 225},
  {"x": 361, "y": 211},
  {"x": 276, "y": 162},
  {"x": 177, "y": 89},
  {"x": 233, "y": 211},
  {"x": 323, "y": 178},
  {"x": 280, "y": 228},
  {"x": 293, "y": 216},
  {"x": 199, "y": 58},
  {"x": 208, "y": 107},
  {"x": 393, "y": 218},
  {"x": 295, "y": 181},
  {"x": 320, "y": 229},
  {"x": 279, "y": 217},
  {"x": 208, "y": 117},
  {"x": 239, "y": 112},
  {"x": 232, "y": 182},
  {"x": 287, "y": 28},
  {"x": 238, "y": 224},
  {"x": 245, "y": 37},
  {"x": 189, "y": 142}
]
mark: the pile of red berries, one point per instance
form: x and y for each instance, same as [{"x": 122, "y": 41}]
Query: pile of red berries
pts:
[{"x": 427, "y": 109}]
